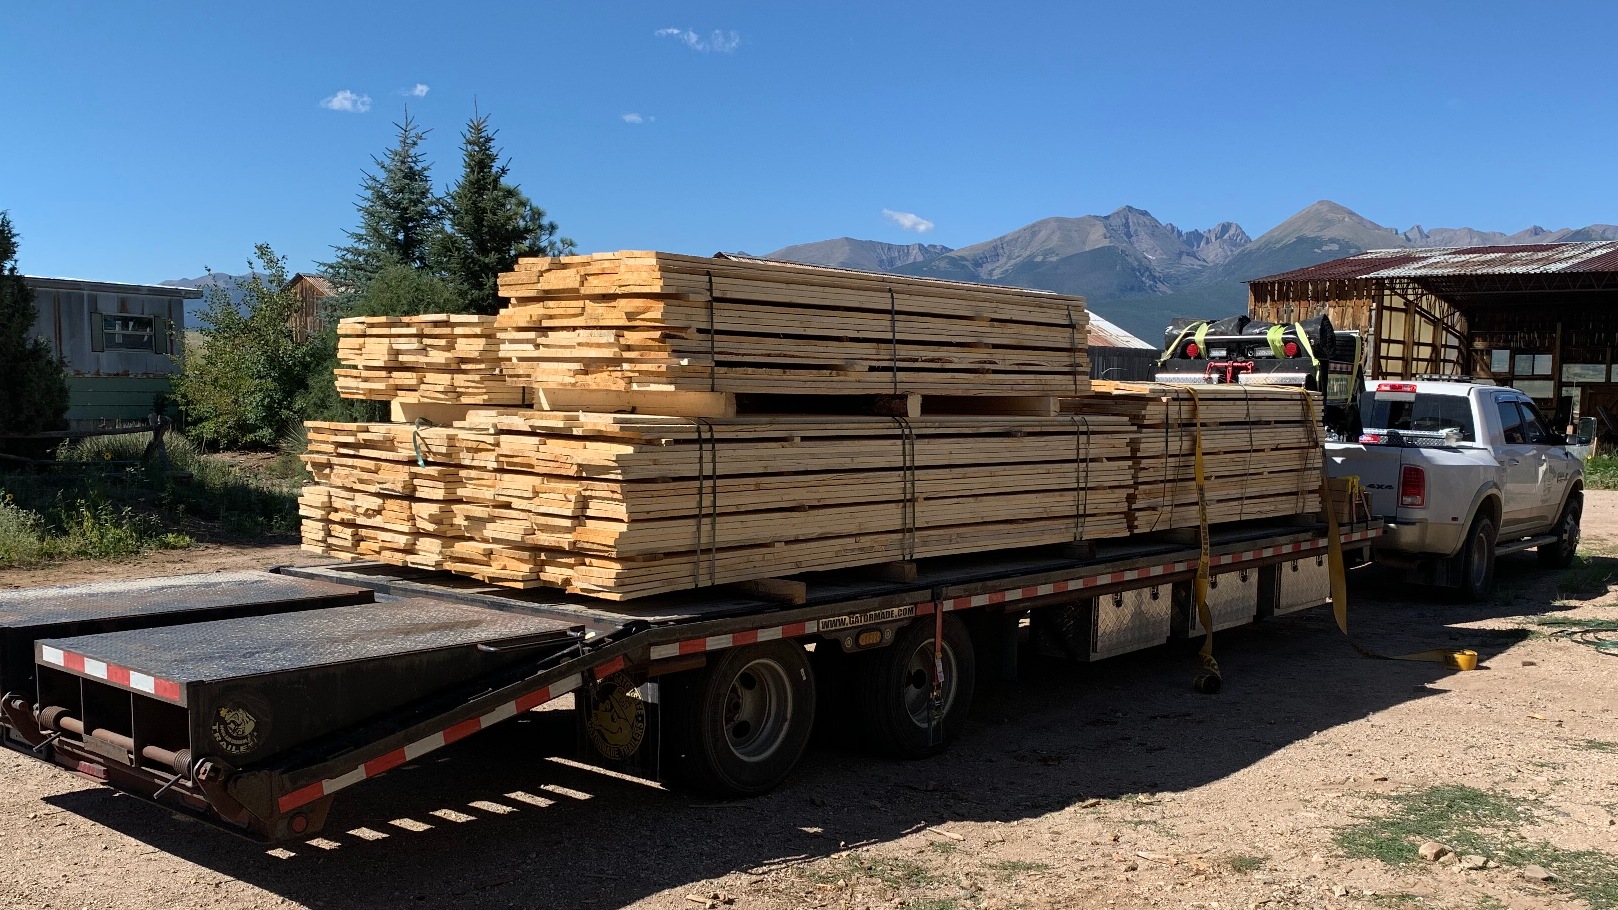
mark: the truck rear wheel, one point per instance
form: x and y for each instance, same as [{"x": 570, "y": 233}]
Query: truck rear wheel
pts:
[
  {"x": 1559, "y": 555},
  {"x": 743, "y": 721},
  {"x": 1477, "y": 560},
  {"x": 894, "y": 702}
]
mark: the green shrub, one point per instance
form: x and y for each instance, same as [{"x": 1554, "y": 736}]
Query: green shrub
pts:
[{"x": 1601, "y": 472}]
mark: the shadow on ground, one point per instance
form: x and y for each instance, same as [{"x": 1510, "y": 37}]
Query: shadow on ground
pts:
[{"x": 493, "y": 822}]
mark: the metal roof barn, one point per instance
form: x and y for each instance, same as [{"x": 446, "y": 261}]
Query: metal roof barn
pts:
[{"x": 1542, "y": 317}]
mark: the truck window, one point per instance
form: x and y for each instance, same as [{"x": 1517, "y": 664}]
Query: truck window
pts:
[
  {"x": 1533, "y": 425},
  {"x": 1510, "y": 421},
  {"x": 1426, "y": 414}
]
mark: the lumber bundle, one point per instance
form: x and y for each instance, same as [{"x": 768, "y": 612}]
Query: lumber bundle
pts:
[
  {"x": 438, "y": 358},
  {"x": 624, "y": 506},
  {"x": 587, "y": 437},
  {"x": 655, "y": 322},
  {"x": 1261, "y": 445}
]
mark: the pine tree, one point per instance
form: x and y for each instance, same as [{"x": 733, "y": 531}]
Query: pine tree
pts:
[
  {"x": 399, "y": 214},
  {"x": 489, "y": 222},
  {"x": 36, "y": 396}
]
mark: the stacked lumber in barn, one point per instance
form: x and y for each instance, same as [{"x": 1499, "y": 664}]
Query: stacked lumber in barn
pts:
[
  {"x": 647, "y": 323},
  {"x": 1261, "y": 445},
  {"x": 623, "y": 506},
  {"x": 450, "y": 359}
]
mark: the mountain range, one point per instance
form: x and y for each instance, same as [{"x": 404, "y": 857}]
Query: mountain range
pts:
[{"x": 1139, "y": 272}]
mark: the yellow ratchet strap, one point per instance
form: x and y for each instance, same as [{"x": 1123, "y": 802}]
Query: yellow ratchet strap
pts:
[
  {"x": 1211, "y": 679},
  {"x": 1273, "y": 336},
  {"x": 1455, "y": 659},
  {"x": 1303, "y": 339},
  {"x": 1169, "y": 351}
]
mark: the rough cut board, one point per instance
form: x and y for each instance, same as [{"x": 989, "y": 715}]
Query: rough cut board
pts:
[
  {"x": 435, "y": 358},
  {"x": 1262, "y": 452},
  {"x": 626, "y": 505},
  {"x": 642, "y": 321}
]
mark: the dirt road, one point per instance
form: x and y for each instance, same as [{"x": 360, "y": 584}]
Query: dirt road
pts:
[{"x": 1309, "y": 781}]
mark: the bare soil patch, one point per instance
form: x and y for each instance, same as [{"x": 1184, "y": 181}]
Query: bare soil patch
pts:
[{"x": 1102, "y": 785}]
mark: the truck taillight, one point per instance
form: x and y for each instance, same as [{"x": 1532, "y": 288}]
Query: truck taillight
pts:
[{"x": 1412, "y": 487}]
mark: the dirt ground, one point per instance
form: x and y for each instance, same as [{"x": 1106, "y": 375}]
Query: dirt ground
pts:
[{"x": 1107, "y": 785}]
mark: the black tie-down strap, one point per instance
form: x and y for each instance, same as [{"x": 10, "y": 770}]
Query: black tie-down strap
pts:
[{"x": 707, "y": 511}]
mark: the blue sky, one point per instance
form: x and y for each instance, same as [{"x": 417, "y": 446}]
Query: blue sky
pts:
[{"x": 144, "y": 141}]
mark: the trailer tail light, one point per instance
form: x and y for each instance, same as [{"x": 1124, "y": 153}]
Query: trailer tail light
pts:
[
  {"x": 1191, "y": 350},
  {"x": 1290, "y": 349},
  {"x": 1412, "y": 487}
]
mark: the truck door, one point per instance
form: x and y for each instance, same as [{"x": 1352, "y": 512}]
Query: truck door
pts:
[
  {"x": 1523, "y": 464},
  {"x": 1556, "y": 463}
]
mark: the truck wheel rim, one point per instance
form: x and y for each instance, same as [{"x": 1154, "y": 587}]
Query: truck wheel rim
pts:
[
  {"x": 918, "y": 684},
  {"x": 1480, "y": 560},
  {"x": 758, "y": 710}
]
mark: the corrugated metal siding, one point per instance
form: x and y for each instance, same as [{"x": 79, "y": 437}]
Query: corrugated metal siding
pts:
[
  {"x": 96, "y": 400},
  {"x": 1123, "y": 364},
  {"x": 64, "y": 318}
]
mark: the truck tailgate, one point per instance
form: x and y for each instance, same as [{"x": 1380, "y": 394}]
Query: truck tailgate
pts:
[{"x": 1377, "y": 468}]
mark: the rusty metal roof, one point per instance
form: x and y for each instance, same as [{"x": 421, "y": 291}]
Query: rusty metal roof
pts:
[
  {"x": 1530, "y": 258},
  {"x": 1105, "y": 334}
]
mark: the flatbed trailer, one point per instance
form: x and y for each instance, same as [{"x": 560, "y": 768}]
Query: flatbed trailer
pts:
[{"x": 251, "y": 700}]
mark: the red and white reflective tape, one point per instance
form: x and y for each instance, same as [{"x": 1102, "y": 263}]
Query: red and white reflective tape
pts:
[
  {"x": 305, "y": 795},
  {"x": 733, "y": 639},
  {"x": 165, "y": 689},
  {"x": 737, "y": 639}
]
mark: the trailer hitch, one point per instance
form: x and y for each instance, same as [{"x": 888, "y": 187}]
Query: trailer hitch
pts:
[{"x": 20, "y": 715}]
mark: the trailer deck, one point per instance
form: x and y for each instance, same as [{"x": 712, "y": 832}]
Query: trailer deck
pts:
[{"x": 256, "y": 722}]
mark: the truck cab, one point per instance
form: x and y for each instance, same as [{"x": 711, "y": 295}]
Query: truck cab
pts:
[{"x": 1462, "y": 472}]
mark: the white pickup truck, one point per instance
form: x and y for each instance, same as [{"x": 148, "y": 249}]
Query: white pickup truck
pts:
[{"x": 1462, "y": 472}]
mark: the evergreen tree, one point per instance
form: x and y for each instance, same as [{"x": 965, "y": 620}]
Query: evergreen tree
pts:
[
  {"x": 489, "y": 223},
  {"x": 399, "y": 215},
  {"x": 36, "y": 391}
]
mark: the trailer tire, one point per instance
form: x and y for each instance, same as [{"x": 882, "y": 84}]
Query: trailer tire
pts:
[
  {"x": 1559, "y": 555},
  {"x": 743, "y": 721},
  {"x": 893, "y": 704},
  {"x": 1477, "y": 560}
]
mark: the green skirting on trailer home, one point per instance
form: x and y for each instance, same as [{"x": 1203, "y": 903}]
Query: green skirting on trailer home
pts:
[{"x": 114, "y": 398}]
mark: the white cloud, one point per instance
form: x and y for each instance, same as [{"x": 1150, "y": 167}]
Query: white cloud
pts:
[
  {"x": 419, "y": 90},
  {"x": 908, "y": 221},
  {"x": 633, "y": 117},
  {"x": 348, "y": 102},
  {"x": 719, "y": 40}
]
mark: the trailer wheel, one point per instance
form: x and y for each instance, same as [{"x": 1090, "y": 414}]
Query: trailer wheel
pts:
[
  {"x": 894, "y": 703},
  {"x": 1477, "y": 560},
  {"x": 1559, "y": 555},
  {"x": 745, "y": 719}
]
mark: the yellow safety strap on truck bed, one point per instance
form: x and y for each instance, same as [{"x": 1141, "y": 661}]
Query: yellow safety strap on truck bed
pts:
[
  {"x": 1303, "y": 338},
  {"x": 1169, "y": 351},
  {"x": 1455, "y": 659},
  {"x": 1211, "y": 679},
  {"x": 1273, "y": 336}
]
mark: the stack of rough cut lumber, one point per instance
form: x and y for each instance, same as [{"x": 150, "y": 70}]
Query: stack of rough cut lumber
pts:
[
  {"x": 656, "y": 322},
  {"x": 443, "y": 359},
  {"x": 628, "y": 468},
  {"x": 624, "y": 505},
  {"x": 1261, "y": 446}
]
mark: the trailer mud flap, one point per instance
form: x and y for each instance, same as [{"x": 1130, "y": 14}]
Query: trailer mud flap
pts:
[{"x": 620, "y": 725}]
